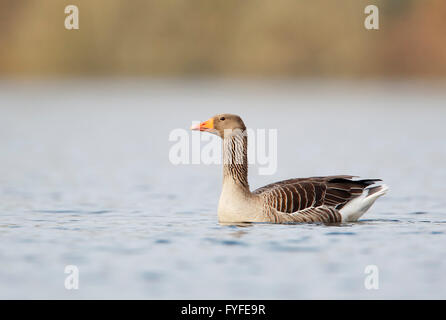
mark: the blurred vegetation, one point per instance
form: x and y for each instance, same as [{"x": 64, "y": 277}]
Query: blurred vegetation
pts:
[{"x": 224, "y": 37}]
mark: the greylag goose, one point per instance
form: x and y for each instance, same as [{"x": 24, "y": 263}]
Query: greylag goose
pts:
[{"x": 331, "y": 199}]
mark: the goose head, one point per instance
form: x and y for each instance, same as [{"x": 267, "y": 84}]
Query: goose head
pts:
[{"x": 223, "y": 125}]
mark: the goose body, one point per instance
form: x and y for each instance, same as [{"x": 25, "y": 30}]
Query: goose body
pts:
[{"x": 330, "y": 199}]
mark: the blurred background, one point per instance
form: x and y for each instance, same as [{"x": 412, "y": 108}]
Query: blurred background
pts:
[
  {"x": 284, "y": 38},
  {"x": 85, "y": 118}
]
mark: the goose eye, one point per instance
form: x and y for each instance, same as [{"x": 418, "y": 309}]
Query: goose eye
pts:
[{"x": 222, "y": 118}]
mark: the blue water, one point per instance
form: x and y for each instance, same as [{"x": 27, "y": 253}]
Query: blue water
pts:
[{"x": 85, "y": 180}]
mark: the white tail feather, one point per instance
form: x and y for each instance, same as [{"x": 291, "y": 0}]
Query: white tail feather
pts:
[{"x": 356, "y": 207}]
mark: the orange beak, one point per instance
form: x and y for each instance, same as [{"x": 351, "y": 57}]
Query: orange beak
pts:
[{"x": 208, "y": 125}]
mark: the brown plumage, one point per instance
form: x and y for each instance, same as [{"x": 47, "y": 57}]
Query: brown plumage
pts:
[
  {"x": 313, "y": 199},
  {"x": 317, "y": 199}
]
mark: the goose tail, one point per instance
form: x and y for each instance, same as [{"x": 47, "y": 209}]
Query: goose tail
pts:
[{"x": 356, "y": 207}]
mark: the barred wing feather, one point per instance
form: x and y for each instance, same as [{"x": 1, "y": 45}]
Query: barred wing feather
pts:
[{"x": 315, "y": 198}]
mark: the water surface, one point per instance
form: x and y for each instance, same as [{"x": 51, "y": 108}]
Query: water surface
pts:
[{"x": 85, "y": 180}]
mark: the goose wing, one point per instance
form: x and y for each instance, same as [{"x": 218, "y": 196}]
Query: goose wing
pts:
[{"x": 313, "y": 199}]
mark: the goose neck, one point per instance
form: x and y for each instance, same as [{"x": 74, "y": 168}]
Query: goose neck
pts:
[{"x": 235, "y": 160}]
